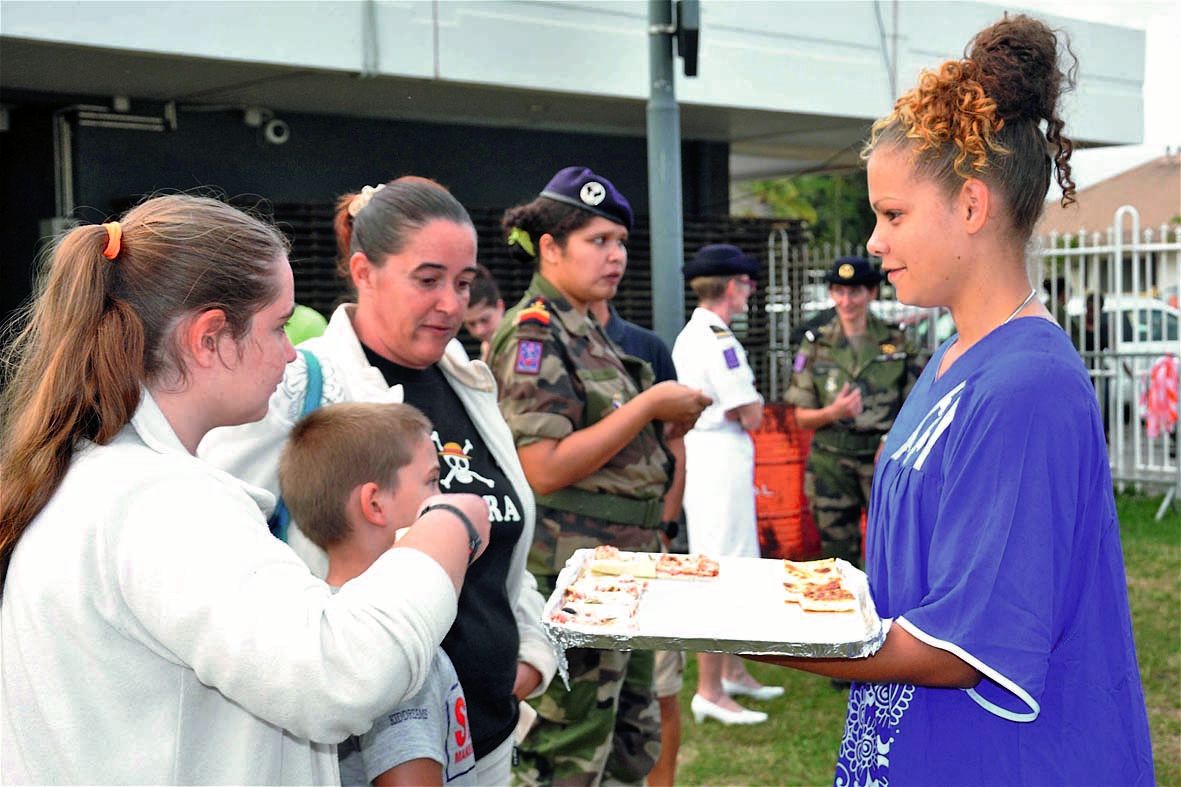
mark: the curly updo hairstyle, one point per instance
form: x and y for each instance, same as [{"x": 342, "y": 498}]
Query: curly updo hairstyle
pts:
[{"x": 982, "y": 117}]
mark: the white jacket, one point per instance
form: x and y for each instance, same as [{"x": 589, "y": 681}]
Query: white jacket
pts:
[
  {"x": 252, "y": 451},
  {"x": 153, "y": 631}
]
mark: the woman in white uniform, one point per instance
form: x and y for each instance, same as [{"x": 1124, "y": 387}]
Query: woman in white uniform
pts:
[{"x": 719, "y": 470}]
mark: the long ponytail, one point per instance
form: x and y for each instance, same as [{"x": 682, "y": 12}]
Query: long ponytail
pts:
[
  {"x": 69, "y": 375},
  {"x": 98, "y": 329}
]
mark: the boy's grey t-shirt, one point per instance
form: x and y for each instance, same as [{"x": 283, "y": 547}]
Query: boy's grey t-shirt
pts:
[{"x": 432, "y": 725}]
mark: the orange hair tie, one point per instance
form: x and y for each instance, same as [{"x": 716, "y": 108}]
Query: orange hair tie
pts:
[{"x": 114, "y": 240}]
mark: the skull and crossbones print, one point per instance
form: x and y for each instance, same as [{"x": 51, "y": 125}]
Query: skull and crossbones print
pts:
[{"x": 458, "y": 461}]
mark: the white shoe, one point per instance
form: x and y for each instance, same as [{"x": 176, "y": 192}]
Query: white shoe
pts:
[
  {"x": 703, "y": 708},
  {"x": 758, "y": 692}
]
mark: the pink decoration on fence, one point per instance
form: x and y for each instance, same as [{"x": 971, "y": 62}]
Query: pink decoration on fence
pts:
[{"x": 1159, "y": 400}]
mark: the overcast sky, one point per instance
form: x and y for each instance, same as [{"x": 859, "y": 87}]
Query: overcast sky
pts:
[{"x": 1161, "y": 22}]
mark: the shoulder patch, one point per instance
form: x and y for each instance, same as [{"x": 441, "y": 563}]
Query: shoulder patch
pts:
[
  {"x": 731, "y": 356},
  {"x": 720, "y": 332},
  {"x": 536, "y": 312},
  {"x": 528, "y": 357},
  {"x": 801, "y": 360}
]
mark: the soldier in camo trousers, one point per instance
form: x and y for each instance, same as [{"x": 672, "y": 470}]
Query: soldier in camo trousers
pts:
[
  {"x": 587, "y": 422},
  {"x": 849, "y": 379}
]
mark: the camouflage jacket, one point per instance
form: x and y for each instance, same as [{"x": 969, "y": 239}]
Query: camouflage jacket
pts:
[
  {"x": 557, "y": 372},
  {"x": 884, "y": 369}
]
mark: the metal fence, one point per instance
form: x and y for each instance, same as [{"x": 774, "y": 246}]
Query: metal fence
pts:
[{"x": 1115, "y": 293}]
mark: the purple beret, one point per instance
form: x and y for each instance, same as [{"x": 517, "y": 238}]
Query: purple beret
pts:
[
  {"x": 853, "y": 271},
  {"x": 580, "y": 187},
  {"x": 720, "y": 259}
]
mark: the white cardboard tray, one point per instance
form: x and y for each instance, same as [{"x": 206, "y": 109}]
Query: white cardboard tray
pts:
[{"x": 741, "y": 611}]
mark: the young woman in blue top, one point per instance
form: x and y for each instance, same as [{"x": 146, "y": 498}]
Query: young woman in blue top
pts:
[{"x": 993, "y": 544}]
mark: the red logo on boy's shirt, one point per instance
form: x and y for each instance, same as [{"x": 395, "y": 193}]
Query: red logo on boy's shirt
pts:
[
  {"x": 461, "y": 734},
  {"x": 461, "y": 752},
  {"x": 464, "y": 746}
]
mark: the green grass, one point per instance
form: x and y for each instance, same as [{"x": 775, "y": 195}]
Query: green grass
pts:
[{"x": 798, "y": 745}]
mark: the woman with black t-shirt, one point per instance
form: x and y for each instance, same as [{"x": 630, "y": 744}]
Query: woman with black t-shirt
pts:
[{"x": 409, "y": 250}]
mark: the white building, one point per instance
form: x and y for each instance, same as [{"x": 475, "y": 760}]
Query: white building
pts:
[{"x": 106, "y": 100}]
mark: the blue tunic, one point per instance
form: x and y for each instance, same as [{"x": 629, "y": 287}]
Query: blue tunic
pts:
[{"x": 993, "y": 535}]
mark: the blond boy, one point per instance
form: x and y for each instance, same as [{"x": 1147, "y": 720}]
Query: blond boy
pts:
[{"x": 353, "y": 475}]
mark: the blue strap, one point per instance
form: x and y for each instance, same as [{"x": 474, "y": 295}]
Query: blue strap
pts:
[
  {"x": 281, "y": 518},
  {"x": 315, "y": 390}
]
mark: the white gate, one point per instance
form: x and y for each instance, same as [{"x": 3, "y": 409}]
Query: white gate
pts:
[{"x": 1117, "y": 295}]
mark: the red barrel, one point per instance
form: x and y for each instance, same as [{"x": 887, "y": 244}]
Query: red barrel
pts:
[{"x": 786, "y": 528}]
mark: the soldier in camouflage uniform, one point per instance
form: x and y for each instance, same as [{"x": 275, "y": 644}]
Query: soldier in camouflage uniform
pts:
[
  {"x": 849, "y": 379},
  {"x": 586, "y": 420}
]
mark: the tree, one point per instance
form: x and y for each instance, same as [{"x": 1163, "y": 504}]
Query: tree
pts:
[
  {"x": 836, "y": 207},
  {"x": 782, "y": 197}
]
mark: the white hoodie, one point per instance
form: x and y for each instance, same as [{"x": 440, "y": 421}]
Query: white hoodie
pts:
[{"x": 153, "y": 631}]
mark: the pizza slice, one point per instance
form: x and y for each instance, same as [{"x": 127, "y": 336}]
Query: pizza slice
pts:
[
  {"x": 594, "y": 615},
  {"x": 832, "y": 596},
  {"x": 812, "y": 569},
  {"x": 593, "y": 589},
  {"x": 687, "y": 566},
  {"x": 817, "y": 586},
  {"x": 616, "y": 584},
  {"x": 609, "y": 560},
  {"x": 794, "y": 587}
]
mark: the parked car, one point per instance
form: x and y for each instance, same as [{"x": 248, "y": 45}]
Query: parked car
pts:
[
  {"x": 1142, "y": 325},
  {"x": 1135, "y": 330}
]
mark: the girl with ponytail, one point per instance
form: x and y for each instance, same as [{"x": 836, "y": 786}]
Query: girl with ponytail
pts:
[
  {"x": 151, "y": 629},
  {"x": 993, "y": 547}
]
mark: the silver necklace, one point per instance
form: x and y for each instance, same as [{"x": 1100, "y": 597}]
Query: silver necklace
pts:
[{"x": 1024, "y": 303}]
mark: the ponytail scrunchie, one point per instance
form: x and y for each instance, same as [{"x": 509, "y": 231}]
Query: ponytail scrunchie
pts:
[
  {"x": 114, "y": 240},
  {"x": 361, "y": 200},
  {"x": 519, "y": 237}
]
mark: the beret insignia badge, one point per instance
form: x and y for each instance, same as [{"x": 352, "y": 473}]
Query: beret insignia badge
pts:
[{"x": 593, "y": 193}]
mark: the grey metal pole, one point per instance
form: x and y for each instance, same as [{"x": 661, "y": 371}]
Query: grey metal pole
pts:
[{"x": 664, "y": 176}]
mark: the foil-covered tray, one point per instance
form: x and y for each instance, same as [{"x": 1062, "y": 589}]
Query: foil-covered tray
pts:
[{"x": 742, "y": 610}]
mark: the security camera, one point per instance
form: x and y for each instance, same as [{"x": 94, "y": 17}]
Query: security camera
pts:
[{"x": 276, "y": 132}]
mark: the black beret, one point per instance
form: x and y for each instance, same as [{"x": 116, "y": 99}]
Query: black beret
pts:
[
  {"x": 720, "y": 259},
  {"x": 580, "y": 187},
  {"x": 853, "y": 270}
]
